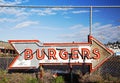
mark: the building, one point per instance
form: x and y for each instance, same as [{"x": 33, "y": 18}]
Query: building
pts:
[{"x": 6, "y": 50}]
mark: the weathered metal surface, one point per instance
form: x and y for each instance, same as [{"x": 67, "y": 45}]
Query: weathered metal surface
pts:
[{"x": 31, "y": 54}]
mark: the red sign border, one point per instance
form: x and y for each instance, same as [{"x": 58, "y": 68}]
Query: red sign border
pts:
[{"x": 90, "y": 39}]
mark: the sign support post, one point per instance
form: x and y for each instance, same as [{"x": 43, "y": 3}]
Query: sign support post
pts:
[{"x": 90, "y": 33}]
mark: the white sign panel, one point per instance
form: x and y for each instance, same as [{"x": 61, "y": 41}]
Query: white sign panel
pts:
[{"x": 31, "y": 53}]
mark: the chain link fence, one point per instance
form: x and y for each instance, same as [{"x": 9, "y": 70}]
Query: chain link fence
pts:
[
  {"x": 5, "y": 62},
  {"x": 109, "y": 71},
  {"x": 111, "y": 66}
]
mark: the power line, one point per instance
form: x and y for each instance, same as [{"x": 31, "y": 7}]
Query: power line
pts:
[{"x": 38, "y": 6}]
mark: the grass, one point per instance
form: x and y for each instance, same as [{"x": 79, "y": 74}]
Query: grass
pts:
[
  {"x": 28, "y": 78},
  {"x": 48, "y": 78},
  {"x": 17, "y": 78}
]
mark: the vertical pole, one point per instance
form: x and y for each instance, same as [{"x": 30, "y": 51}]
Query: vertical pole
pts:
[
  {"x": 41, "y": 71},
  {"x": 70, "y": 69},
  {"x": 90, "y": 33},
  {"x": 71, "y": 74}
]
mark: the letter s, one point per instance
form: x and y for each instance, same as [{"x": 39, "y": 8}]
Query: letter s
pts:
[{"x": 96, "y": 52}]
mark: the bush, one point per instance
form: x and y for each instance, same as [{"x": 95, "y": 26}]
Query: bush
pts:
[
  {"x": 97, "y": 78},
  {"x": 22, "y": 78},
  {"x": 3, "y": 77},
  {"x": 91, "y": 78},
  {"x": 58, "y": 79},
  {"x": 48, "y": 78},
  {"x": 110, "y": 78},
  {"x": 17, "y": 78}
]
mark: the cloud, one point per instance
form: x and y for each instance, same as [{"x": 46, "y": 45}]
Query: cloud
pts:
[
  {"x": 14, "y": 2},
  {"x": 83, "y": 11},
  {"x": 77, "y": 32},
  {"x": 107, "y": 32},
  {"x": 54, "y": 11},
  {"x": 6, "y": 20},
  {"x": 96, "y": 25},
  {"x": 13, "y": 11},
  {"x": 12, "y": 19},
  {"x": 67, "y": 17},
  {"x": 25, "y": 24},
  {"x": 43, "y": 12},
  {"x": 76, "y": 26},
  {"x": 49, "y": 11},
  {"x": 103, "y": 33},
  {"x": 49, "y": 28},
  {"x": 61, "y": 9}
]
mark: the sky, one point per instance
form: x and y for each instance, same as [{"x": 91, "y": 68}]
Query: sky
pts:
[{"x": 59, "y": 24}]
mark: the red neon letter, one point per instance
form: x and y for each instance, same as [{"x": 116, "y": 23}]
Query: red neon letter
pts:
[
  {"x": 51, "y": 54},
  {"x": 86, "y": 53},
  {"x": 28, "y": 55},
  {"x": 63, "y": 54},
  {"x": 39, "y": 55},
  {"x": 97, "y": 54},
  {"x": 74, "y": 52}
]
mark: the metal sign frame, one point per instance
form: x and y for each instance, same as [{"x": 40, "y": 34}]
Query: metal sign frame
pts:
[{"x": 105, "y": 53}]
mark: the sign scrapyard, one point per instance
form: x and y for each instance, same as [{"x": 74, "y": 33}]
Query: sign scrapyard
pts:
[{"x": 32, "y": 53}]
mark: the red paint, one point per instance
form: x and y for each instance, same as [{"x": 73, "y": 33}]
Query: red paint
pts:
[
  {"x": 40, "y": 54},
  {"x": 75, "y": 52},
  {"x": 52, "y": 54},
  {"x": 97, "y": 53},
  {"x": 10, "y": 66},
  {"x": 86, "y": 53},
  {"x": 63, "y": 54},
  {"x": 12, "y": 41},
  {"x": 28, "y": 54}
]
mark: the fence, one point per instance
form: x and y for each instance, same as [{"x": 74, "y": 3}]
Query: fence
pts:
[
  {"x": 112, "y": 66},
  {"x": 4, "y": 62}
]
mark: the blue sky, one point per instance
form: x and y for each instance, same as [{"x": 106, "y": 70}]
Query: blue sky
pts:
[{"x": 59, "y": 24}]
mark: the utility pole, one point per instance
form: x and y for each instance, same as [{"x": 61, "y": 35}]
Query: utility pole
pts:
[{"x": 90, "y": 33}]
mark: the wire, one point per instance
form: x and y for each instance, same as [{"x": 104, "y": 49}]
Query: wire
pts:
[{"x": 38, "y": 6}]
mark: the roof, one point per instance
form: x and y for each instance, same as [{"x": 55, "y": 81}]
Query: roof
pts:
[{"x": 6, "y": 45}]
